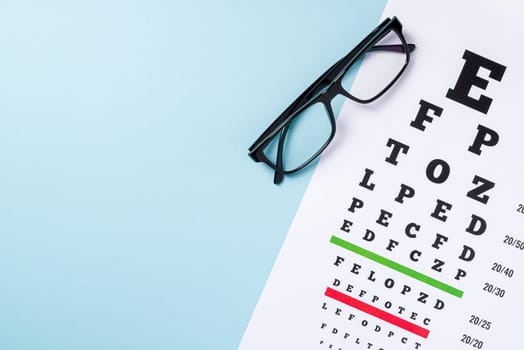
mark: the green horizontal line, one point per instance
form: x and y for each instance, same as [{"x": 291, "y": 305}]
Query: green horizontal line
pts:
[{"x": 397, "y": 267}]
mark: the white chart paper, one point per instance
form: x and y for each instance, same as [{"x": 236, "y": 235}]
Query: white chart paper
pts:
[{"x": 410, "y": 234}]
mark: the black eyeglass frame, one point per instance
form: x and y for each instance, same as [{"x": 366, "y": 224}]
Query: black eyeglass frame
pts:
[{"x": 324, "y": 90}]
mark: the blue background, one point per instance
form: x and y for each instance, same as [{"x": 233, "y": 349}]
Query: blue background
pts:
[{"x": 130, "y": 214}]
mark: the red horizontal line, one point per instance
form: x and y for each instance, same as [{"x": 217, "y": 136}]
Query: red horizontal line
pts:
[{"x": 378, "y": 313}]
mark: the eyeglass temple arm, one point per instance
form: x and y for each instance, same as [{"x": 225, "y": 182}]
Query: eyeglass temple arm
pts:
[{"x": 393, "y": 48}]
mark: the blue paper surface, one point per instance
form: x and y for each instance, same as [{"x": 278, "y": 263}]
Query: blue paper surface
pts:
[{"x": 130, "y": 214}]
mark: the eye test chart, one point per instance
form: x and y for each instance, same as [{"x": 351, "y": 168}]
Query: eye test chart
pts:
[{"x": 411, "y": 232}]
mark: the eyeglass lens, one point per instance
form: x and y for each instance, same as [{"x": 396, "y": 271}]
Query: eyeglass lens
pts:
[
  {"x": 376, "y": 69},
  {"x": 306, "y": 134}
]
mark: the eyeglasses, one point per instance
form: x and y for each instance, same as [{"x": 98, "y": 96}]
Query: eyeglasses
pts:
[{"x": 300, "y": 134}]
